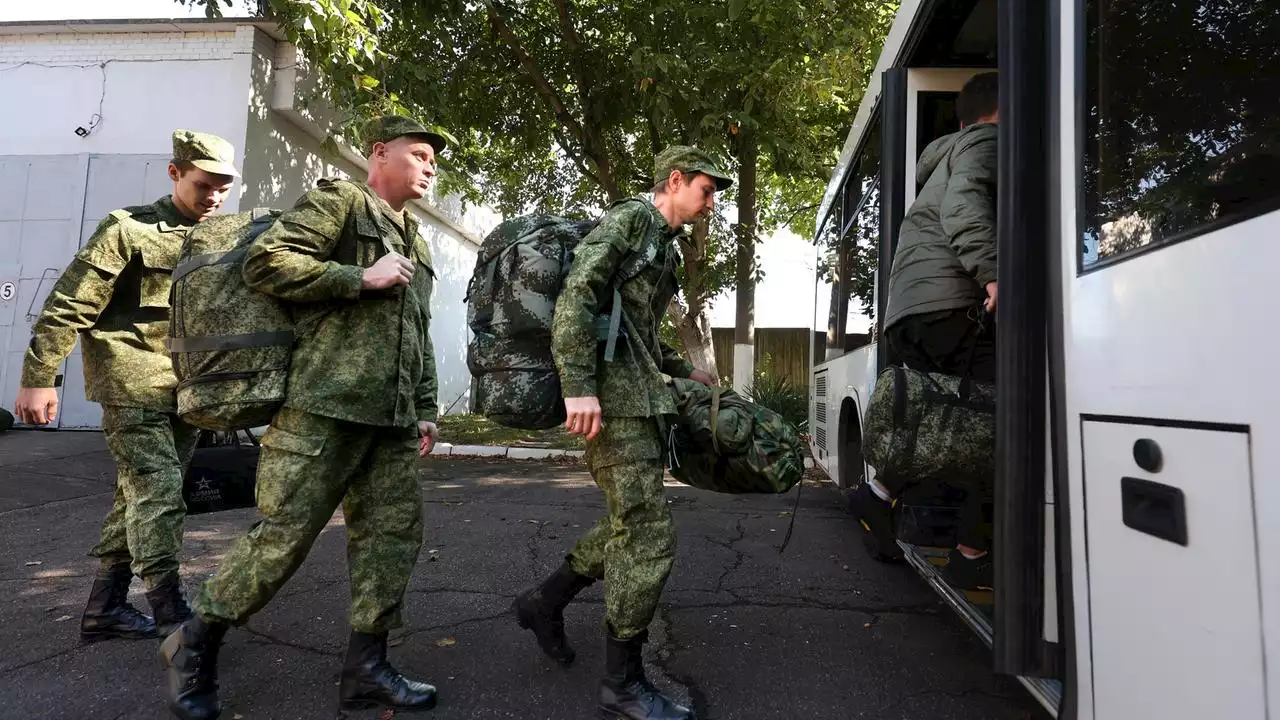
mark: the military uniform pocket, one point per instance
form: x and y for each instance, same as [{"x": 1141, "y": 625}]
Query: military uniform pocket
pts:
[
  {"x": 280, "y": 439},
  {"x": 624, "y": 440},
  {"x": 157, "y": 277}
]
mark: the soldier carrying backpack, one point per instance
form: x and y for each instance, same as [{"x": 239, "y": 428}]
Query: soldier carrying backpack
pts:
[{"x": 615, "y": 394}]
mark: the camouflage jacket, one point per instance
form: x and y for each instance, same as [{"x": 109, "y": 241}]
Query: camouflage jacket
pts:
[
  {"x": 115, "y": 296},
  {"x": 361, "y": 356},
  {"x": 632, "y": 384}
]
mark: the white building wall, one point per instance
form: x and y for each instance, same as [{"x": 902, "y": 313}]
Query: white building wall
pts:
[{"x": 235, "y": 81}]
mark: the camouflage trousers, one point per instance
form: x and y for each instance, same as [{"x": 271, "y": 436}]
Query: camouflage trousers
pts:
[
  {"x": 144, "y": 527},
  {"x": 308, "y": 466},
  {"x": 633, "y": 547}
]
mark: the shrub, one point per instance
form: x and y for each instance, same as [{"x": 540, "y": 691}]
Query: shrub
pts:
[{"x": 779, "y": 394}]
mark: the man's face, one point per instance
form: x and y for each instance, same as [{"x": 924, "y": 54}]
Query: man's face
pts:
[
  {"x": 197, "y": 193},
  {"x": 407, "y": 165},
  {"x": 693, "y": 196}
]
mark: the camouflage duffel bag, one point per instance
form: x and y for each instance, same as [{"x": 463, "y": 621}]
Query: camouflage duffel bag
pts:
[
  {"x": 722, "y": 442},
  {"x": 929, "y": 426},
  {"x": 231, "y": 345}
]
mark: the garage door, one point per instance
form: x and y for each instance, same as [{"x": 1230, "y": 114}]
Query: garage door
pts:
[{"x": 49, "y": 206}]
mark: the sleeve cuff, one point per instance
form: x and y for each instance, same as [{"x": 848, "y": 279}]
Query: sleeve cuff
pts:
[
  {"x": 985, "y": 277},
  {"x": 678, "y": 367},
  {"x": 348, "y": 281},
  {"x": 38, "y": 376},
  {"x": 578, "y": 386}
]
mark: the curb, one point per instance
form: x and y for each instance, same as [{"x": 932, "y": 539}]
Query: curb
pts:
[
  {"x": 514, "y": 453},
  {"x": 520, "y": 453}
]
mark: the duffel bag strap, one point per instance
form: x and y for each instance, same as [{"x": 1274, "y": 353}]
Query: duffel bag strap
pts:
[{"x": 715, "y": 419}]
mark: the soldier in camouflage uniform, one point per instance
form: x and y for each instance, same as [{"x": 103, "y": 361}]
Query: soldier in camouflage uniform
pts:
[
  {"x": 619, "y": 406},
  {"x": 115, "y": 296},
  {"x": 360, "y": 407}
]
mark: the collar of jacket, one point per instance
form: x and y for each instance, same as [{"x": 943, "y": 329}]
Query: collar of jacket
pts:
[
  {"x": 668, "y": 232},
  {"x": 169, "y": 217}
]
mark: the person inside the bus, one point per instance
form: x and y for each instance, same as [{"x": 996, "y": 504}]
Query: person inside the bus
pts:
[{"x": 943, "y": 276}]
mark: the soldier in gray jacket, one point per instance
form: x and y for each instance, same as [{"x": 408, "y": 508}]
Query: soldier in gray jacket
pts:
[{"x": 944, "y": 273}]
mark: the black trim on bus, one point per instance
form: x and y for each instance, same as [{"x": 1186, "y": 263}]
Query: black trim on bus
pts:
[
  {"x": 1166, "y": 422},
  {"x": 893, "y": 196},
  {"x": 1060, "y": 454},
  {"x": 1022, "y": 363}
]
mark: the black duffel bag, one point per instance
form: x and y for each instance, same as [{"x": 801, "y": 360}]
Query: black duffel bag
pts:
[{"x": 222, "y": 473}]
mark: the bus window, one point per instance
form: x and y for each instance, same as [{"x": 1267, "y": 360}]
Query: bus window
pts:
[
  {"x": 1181, "y": 119},
  {"x": 936, "y": 117}
]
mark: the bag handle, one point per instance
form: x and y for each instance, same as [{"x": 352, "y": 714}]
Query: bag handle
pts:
[{"x": 715, "y": 418}]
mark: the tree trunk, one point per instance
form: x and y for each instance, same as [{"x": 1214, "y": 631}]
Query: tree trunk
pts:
[
  {"x": 691, "y": 322},
  {"x": 745, "y": 318}
]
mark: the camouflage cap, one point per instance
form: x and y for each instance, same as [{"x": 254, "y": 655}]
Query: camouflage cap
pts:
[
  {"x": 207, "y": 152},
  {"x": 389, "y": 127},
  {"x": 687, "y": 158}
]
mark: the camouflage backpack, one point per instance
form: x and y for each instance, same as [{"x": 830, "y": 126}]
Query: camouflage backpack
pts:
[
  {"x": 511, "y": 299},
  {"x": 230, "y": 344},
  {"x": 722, "y": 442},
  {"x": 929, "y": 426}
]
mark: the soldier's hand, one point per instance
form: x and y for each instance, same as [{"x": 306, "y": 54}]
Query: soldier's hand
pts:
[
  {"x": 584, "y": 416},
  {"x": 428, "y": 433},
  {"x": 391, "y": 269},
  {"x": 703, "y": 377},
  {"x": 990, "y": 302},
  {"x": 36, "y": 406}
]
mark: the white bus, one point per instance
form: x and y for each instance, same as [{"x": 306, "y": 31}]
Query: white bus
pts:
[{"x": 1137, "y": 503}]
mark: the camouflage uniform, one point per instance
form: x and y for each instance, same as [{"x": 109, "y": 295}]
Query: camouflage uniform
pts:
[
  {"x": 115, "y": 296},
  {"x": 634, "y": 546},
  {"x": 360, "y": 380}
]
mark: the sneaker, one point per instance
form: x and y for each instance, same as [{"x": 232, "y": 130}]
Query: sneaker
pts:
[
  {"x": 963, "y": 573},
  {"x": 879, "y": 531}
]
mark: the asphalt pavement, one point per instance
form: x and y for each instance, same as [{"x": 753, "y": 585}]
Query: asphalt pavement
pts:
[{"x": 744, "y": 632}]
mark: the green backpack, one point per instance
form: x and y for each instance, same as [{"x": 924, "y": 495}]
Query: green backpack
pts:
[
  {"x": 511, "y": 302},
  {"x": 722, "y": 442},
  {"x": 230, "y": 344},
  {"x": 923, "y": 427}
]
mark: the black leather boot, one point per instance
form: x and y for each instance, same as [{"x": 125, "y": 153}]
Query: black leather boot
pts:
[
  {"x": 168, "y": 604},
  {"x": 626, "y": 693},
  {"x": 108, "y": 613},
  {"x": 368, "y": 680},
  {"x": 542, "y": 611},
  {"x": 190, "y": 655}
]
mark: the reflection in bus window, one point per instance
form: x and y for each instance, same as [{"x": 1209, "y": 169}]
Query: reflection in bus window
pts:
[{"x": 1182, "y": 120}]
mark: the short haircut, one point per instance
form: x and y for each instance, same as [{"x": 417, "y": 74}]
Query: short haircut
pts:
[
  {"x": 184, "y": 166},
  {"x": 662, "y": 185},
  {"x": 980, "y": 97}
]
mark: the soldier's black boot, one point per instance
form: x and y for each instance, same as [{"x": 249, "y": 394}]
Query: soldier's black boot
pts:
[
  {"x": 168, "y": 604},
  {"x": 190, "y": 655},
  {"x": 368, "y": 680},
  {"x": 108, "y": 613},
  {"x": 542, "y": 611},
  {"x": 626, "y": 693}
]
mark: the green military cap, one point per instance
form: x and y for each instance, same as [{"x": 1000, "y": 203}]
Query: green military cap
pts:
[
  {"x": 389, "y": 127},
  {"x": 687, "y": 159},
  {"x": 207, "y": 152}
]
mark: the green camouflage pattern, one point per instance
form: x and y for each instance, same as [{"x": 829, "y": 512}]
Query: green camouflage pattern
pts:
[
  {"x": 227, "y": 389},
  {"x": 921, "y": 427},
  {"x": 722, "y": 442},
  {"x": 205, "y": 151},
  {"x": 144, "y": 527},
  {"x": 365, "y": 357},
  {"x": 631, "y": 232},
  {"x": 689, "y": 159},
  {"x": 633, "y": 547},
  {"x": 386, "y": 128},
  {"x": 511, "y": 304},
  {"x": 115, "y": 297},
  {"x": 309, "y": 466}
]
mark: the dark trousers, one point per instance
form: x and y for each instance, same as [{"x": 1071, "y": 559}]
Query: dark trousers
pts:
[{"x": 952, "y": 342}]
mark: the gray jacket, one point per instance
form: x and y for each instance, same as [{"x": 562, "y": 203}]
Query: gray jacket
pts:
[{"x": 947, "y": 246}]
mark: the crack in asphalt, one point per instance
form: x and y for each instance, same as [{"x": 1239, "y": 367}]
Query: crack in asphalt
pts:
[
  {"x": 16, "y": 668},
  {"x": 662, "y": 656},
  {"x": 273, "y": 640},
  {"x": 49, "y": 503}
]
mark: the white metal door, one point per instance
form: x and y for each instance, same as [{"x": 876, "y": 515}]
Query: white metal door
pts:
[
  {"x": 114, "y": 181},
  {"x": 41, "y": 203}
]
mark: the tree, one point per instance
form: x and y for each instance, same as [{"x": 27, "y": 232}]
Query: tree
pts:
[{"x": 561, "y": 105}]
